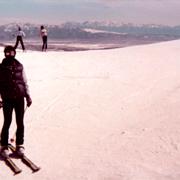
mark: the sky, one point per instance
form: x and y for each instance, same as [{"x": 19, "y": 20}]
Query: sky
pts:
[{"x": 166, "y": 12}]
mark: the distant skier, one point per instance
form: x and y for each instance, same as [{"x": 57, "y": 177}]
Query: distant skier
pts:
[
  {"x": 13, "y": 90},
  {"x": 19, "y": 38},
  {"x": 43, "y": 33}
]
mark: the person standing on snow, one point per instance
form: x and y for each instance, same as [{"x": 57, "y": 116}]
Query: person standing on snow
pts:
[
  {"x": 43, "y": 33},
  {"x": 19, "y": 38},
  {"x": 13, "y": 91}
]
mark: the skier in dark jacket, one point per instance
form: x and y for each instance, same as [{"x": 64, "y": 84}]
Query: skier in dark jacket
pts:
[{"x": 13, "y": 90}]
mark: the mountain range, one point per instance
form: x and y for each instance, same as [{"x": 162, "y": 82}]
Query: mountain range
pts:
[
  {"x": 75, "y": 30},
  {"x": 120, "y": 35}
]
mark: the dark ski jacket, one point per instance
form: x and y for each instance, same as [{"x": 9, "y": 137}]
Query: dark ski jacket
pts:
[{"x": 13, "y": 82}]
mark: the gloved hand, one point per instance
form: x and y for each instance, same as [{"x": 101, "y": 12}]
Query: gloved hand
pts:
[
  {"x": 28, "y": 101},
  {"x": 1, "y": 104}
]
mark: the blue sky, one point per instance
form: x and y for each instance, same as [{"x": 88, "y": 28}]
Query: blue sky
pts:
[{"x": 57, "y": 11}]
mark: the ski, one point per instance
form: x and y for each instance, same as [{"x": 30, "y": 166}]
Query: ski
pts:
[
  {"x": 12, "y": 165},
  {"x": 25, "y": 159}
]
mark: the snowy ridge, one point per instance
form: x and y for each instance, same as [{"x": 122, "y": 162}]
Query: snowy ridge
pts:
[{"x": 100, "y": 31}]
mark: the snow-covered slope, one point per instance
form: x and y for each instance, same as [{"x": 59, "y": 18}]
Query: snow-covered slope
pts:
[{"x": 103, "y": 115}]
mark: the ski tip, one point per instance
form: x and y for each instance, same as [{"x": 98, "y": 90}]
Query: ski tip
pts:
[
  {"x": 17, "y": 172},
  {"x": 36, "y": 170}
]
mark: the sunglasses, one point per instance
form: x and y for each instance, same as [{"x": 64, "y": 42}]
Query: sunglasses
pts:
[{"x": 10, "y": 53}]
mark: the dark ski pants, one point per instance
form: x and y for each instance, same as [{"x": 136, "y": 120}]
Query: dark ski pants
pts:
[
  {"x": 44, "y": 46},
  {"x": 19, "y": 40},
  {"x": 8, "y": 106}
]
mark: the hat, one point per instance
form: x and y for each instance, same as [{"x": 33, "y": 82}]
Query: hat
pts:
[{"x": 9, "y": 49}]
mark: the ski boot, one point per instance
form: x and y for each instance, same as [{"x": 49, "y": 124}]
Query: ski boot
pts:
[
  {"x": 20, "y": 150},
  {"x": 4, "y": 151}
]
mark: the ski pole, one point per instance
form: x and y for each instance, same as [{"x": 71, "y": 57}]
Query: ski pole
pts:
[
  {"x": 1, "y": 104},
  {"x": 14, "y": 135}
]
